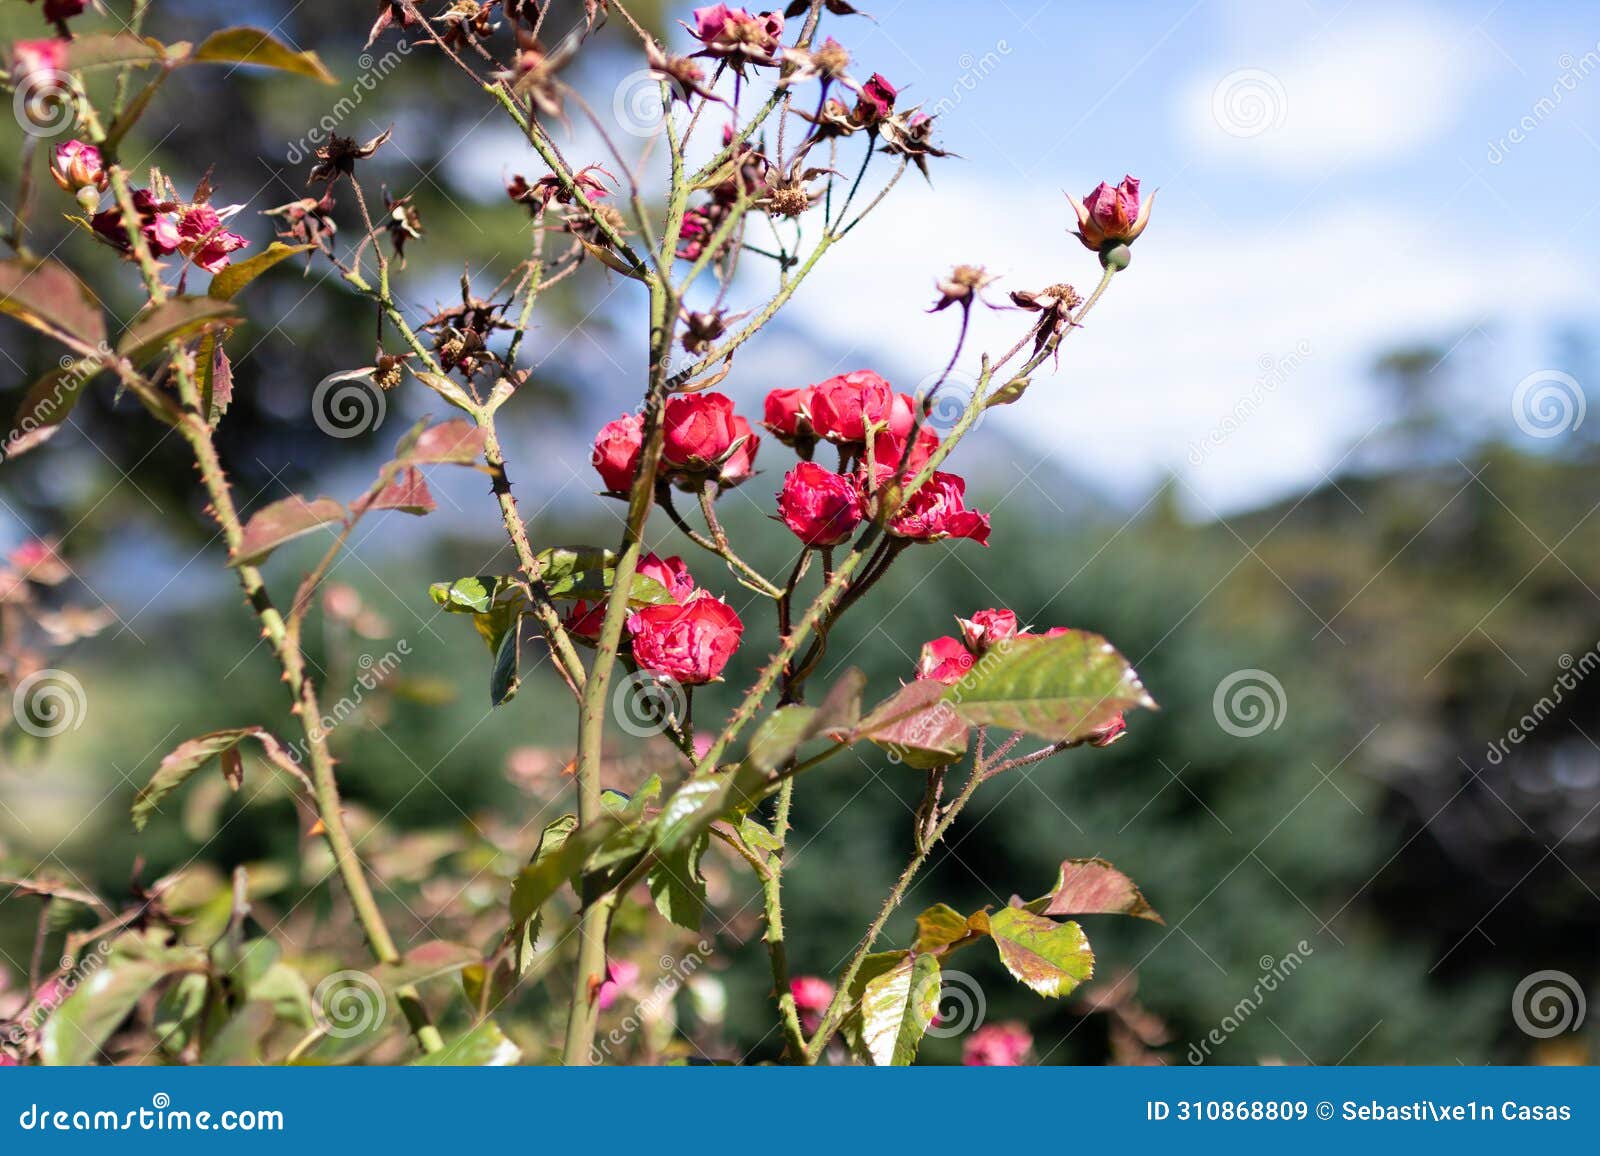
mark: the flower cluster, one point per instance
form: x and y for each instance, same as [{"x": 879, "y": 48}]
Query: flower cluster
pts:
[
  {"x": 688, "y": 638},
  {"x": 704, "y": 443}
]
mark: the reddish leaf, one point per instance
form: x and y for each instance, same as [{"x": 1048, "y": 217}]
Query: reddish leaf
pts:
[
  {"x": 455, "y": 442},
  {"x": 272, "y": 526},
  {"x": 49, "y": 297},
  {"x": 175, "y": 319},
  {"x": 1095, "y": 887},
  {"x": 408, "y": 493},
  {"x": 915, "y": 726},
  {"x": 190, "y": 756}
]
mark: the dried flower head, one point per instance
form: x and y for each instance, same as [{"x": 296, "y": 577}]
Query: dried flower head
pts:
[
  {"x": 338, "y": 157},
  {"x": 962, "y": 285}
]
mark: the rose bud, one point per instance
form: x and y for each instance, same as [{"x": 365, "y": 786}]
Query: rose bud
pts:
[
  {"x": 787, "y": 413},
  {"x": 77, "y": 166},
  {"x": 844, "y": 406},
  {"x": 1111, "y": 217},
  {"x": 616, "y": 452},
  {"x": 987, "y": 627},
  {"x": 997, "y": 1046},
  {"x": 1110, "y": 733},
  {"x": 821, "y": 507},
  {"x": 671, "y": 572},
  {"x": 699, "y": 429},
  {"x": 938, "y": 510},
  {"x": 812, "y": 995},
  {"x": 31, "y": 56},
  {"x": 690, "y": 642},
  {"x": 741, "y": 463},
  {"x": 875, "y": 100},
  {"x": 945, "y": 660}
]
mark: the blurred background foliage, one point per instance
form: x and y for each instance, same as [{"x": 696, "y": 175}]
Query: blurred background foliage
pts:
[{"x": 1367, "y": 821}]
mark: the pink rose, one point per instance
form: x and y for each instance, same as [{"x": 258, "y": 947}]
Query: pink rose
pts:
[
  {"x": 616, "y": 452},
  {"x": 986, "y": 627},
  {"x": 997, "y": 1046},
  {"x": 821, "y": 507},
  {"x": 620, "y": 975},
  {"x": 811, "y": 993},
  {"x": 690, "y": 642},
  {"x": 844, "y": 406},
  {"x": 736, "y": 35},
  {"x": 700, "y": 427},
  {"x": 76, "y": 165},
  {"x": 155, "y": 222},
  {"x": 945, "y": 660},
  {"x": 31, "y": 56},
  {"x": 875, "y": 100},
  {"x": 202, "y": 238},
  {"x": 938, "y": 510},
  {"x": 1112, "y": 216}
]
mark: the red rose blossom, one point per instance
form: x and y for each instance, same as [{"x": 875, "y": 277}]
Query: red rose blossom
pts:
[
  {"x": 844, "y": 406},
  {"x": 700, "y": 428},
  {"x": 938, "y": 510},
  {"x": 737, "y": 35},
  {"x": 690, "y": 642},
  {"x": 203, "y": 238},
  {"x": 821, "y": 507},
  {"x": 76, "y": 165},
  {"x": 741, "y": 463},
  {"x": 616, "y": 452},
  {"x": 945, "y": 660},
  {"x": 155, "y": 222},
  {"x": 987, "y": 627},
  {"x": 787, "y": 413},
  {"x": 875, "y": 100}
]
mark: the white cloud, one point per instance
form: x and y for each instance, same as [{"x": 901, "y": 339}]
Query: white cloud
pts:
[
  {"x": 1181, "y": 339},
  {"x": 1360, "y": 91}
]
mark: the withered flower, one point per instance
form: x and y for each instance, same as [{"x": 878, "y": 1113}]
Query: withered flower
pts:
[
  {"x": 683, "y": 76},
  {"x": 390, "y": 13},
  {"x": 461, "y": 333},
  {"x": 386, "y": 374},
  {"x": 837, "y": 7},
  {"x": 833, "y": 119},
  {"x": 308, "y": 221},
  {"x": 402, "y": 222},
  {"x": 910, "y": 135},
  {"x": 1056, "y": 304},
  {"x": 467, "y": 21},
  {"x": 701, "y": 330},
  {"x": 533, "y": 73},
  {"x": 788, "y": 196},
  {"x": 338, "y": 157},
  {"x": 962, "y": 286},
  {"x": 548, "y": 188},
  {"x": 737, "y": 36},
  {"x": 827, "y": 64}
]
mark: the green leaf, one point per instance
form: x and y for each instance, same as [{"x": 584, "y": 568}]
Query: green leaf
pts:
[
  {"x": 237, "y": 1042},
  {"x": 253, "y": 46},
  {"x": 485, "y": 1046},
  {"x": 177, "y": 318},
  {"x": 447, "y": 388},
  {"x": 186, "y": 759},
  {"x": 1094, "y": 887},
  {"x": 235, "y": 276},
  {"x": 916, "y": 726},
  {"x": 589, "y": 572},
  {"x": 48, "y": 296},
  {"x": 1061, "y": 689},
  {"x": 272, "y": 526},
  {"x": 73, "y": 1034},
  {"x": 49, "y": 401},
  {"x": 477, "y": 595},
  {"x": 177, "y": 1013},
  {"x": 525, "y": 921},
  {"x": 941, "y": 925},
  {"x": 1050, "y": 958},
  {"x": 506, "y": 676},
  {"x": 896, "y": 1008},
  {"x": 676, "y": 886},
  {"x": 552, "y": 867},
  {"x": 779, "y": 736}
]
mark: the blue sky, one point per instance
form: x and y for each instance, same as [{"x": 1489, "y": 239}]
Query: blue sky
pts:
[{"x": 1334, "y": 179}]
